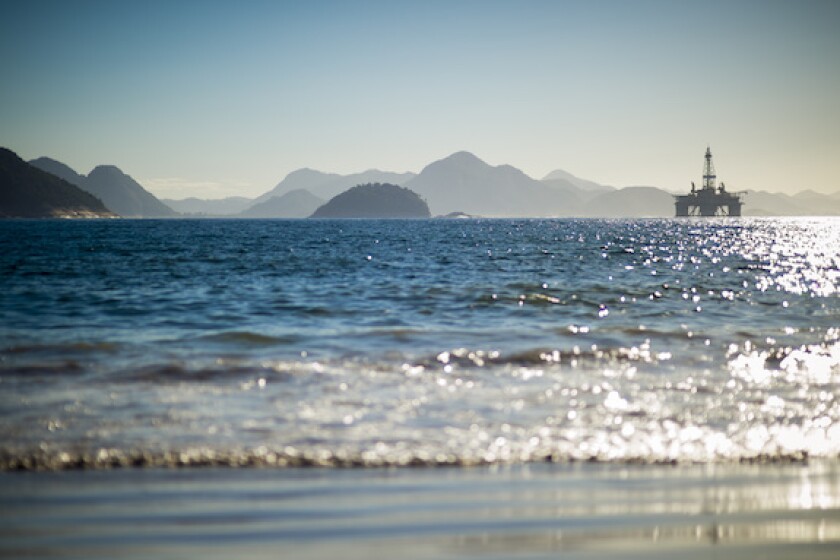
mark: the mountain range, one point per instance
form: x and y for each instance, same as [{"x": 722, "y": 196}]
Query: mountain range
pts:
[
  {"x": 459, "y": 183},
  {"x": 463, "y": 183},
  {"x": 120, "y": 193},
  {"x": 28, "y": 192},
  {"x": 298, "y": 203},
  {"x": 328, "y": 185},
  {"x": 199, "y": 207}
]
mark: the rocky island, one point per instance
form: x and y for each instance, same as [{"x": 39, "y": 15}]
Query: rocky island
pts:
[{"x": 375, "y": 200}]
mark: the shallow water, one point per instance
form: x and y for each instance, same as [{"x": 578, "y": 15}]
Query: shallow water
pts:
[
  {"x": 418, "y": 342},
  {"x": 531, "y": 511}
]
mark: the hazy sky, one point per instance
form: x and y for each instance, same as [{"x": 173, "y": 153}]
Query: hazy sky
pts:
[{"x": 211, "y": 99}]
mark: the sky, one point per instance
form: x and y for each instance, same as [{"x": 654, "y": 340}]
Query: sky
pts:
[{"x": 214, "y": 98}]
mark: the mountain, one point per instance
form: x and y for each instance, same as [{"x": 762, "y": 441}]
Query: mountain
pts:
[
  {"x": 460, "y": 183},
  {"x": 375, "y": 201},
  {"x": 631, "y": 202},
  {"x": 582, "y": 184},
  {"x": 574, "y": 189},
  {"x": 763, "y": 203},
  {"x": 209, "y": 207},
  {"x": 464, "y": 183},
  {"x": 29, "y": 192},
  {"x": 298, "y": 203},
  {"x": 124, "y": 195},
  {"x": 328, "y": 185},
  {"x": 59, "y": 170},
  {"x": 805, "y": 203},
  {"x": 118, "y": 191},
  {"x": 818, "y": 203}
]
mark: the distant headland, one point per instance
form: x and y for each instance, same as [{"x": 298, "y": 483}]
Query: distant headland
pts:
[{"x": 28, "y": 192}]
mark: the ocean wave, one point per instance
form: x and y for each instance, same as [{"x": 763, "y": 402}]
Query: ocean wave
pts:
[
  {"x": 285, "y": 457},
  {"x": 249, "y": 338},
  {"x": 283, "y": 344},
  {"x": 462, "y": 407}
]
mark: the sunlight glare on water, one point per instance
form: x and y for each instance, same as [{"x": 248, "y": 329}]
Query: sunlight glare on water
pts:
[{"x": 419, "y": 342}]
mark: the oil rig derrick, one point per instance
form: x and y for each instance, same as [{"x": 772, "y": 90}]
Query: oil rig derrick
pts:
[{"x": 709, "y": 200}]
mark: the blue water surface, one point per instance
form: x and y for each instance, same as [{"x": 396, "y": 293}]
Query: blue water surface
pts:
[{"x": 392, "y": 341}]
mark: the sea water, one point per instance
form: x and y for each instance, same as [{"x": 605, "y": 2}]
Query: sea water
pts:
[{"x": 402, "y": 342}]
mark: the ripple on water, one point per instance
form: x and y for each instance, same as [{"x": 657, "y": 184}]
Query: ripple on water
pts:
[
  {"x": 470, "y": 342},
  {"x": 463, "y": 407}
]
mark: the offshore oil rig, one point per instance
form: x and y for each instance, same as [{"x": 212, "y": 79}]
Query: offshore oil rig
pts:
[{"x": 709, "y": 200}]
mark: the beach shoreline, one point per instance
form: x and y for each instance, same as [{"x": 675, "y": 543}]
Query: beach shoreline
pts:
[{"x": 585, "y": 510}]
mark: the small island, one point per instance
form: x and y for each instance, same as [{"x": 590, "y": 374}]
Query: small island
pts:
[{"x": 375, "y": 200}]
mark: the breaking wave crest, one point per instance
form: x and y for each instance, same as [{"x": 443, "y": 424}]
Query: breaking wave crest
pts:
[{"x": 457, "y": 407}]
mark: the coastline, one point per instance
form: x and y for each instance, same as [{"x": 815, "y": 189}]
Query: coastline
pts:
[{"x": 582, "y": 510}]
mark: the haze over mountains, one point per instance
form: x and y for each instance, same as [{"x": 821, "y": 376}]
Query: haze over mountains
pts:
[
  {"x": 119, "y": 192},
  {"x": 298, "y": 203},
  {"x": 460, "y": 182},
  {"x": 328, "y": 185},
  {"x": 28, "y": 192},
  {"x": 464, "y": 183},
  {"x": 209, "y": 207}
]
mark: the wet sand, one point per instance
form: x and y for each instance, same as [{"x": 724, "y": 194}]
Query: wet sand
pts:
[{"x": 531, "y": 511}]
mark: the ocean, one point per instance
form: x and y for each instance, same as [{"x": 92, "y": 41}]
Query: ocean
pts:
[{"x": 280, "y": 348}]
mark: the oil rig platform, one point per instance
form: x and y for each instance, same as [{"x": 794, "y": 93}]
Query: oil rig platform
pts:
[{"x": 709, "y": 200}]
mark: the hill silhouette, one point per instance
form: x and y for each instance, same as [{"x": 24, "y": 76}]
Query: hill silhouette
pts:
[
  {"x": 124, "y": 195},
  {"x": 209, "y": 207},
  {"x": 464, "y": 183},
  {"x": 298, "y": 203},
  {"x": 119, "y": 192},
  {"x": 59, "y": 170},
  {"x": 29, "y": 192},
  {"x": 631, "y": 202},
  {"x": 328, "y": 185},
  {"x": 375, "y": 200},
  {"x": 582, "y": 184},
  {"x": 460, "y": 183}
]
